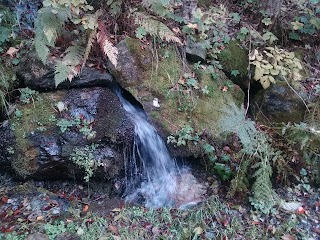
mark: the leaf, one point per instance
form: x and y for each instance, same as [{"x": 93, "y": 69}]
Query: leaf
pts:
[
  {"x": 258, "y": 73},
  {"x": 234, "y": 72},
  {"x": 274, "y": 72},
  {"x": 12, "y": 51},
  {"x": 108, "y": 48},
  {"x": 197, "y": 230},
  {"x": 288, "y": 237},
  {"x": 291, "y": 206},
  {"x": 140, "y": 32},
  {"x": 113, "y": 229}
]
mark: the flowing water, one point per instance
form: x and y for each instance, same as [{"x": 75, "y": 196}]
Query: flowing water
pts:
[{"x": 153, "y": 177}]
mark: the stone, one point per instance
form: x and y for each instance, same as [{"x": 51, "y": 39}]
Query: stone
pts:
[
  {"x": 35, "y": 75},
  {"x": 158, "y": 78},
  {"x": 233, "y": 57},
  {"x": 44, "y": 139},
  {"x": 278, "y": 104},
  {"x": 195, "y": 52}
]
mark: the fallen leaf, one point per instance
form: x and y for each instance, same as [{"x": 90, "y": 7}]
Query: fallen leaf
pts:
[
  {"x": 301, "y": 210},
  {"x": 291, "y": 206},
  {"x": 113, "y": 229},
  {"x": 288, "y": 237},
  {"x": 224, "y": 89},
  {"x": 85, "y": 208},
  {"x": 4, "y": 199},
  {"x": 12, "y": 51},
  {"x": 198, "y": 230}
]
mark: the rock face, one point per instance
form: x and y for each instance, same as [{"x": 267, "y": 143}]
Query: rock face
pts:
[
  {"x": 67, "y": 134},
  {"x": 167, "y": 98},
  {"x": 278, "y": 104},
  {"x": 35, "y": 75}
]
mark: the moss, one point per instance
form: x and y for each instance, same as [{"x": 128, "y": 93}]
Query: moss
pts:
[
  {"x": 8, "y": 81},
  {"x": 35, "y": 116},
  {"x": 233, "y": 57}
]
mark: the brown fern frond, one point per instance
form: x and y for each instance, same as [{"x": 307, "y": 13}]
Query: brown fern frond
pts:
[{"x": 106, "y": 45}]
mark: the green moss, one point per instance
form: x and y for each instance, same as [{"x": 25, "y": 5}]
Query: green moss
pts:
[
  {"x": 35, "y": 117},
  {"x": 233, "y": 57},
  {"x": 8, "y": 81}
]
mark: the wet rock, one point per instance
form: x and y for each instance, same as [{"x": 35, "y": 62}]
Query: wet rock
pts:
[
  {"x": 49, "y": 141},
  {"x": 148, "y": 79},
  {"x": 278, "y": 104},
  {"x": 35, "y": 75}
]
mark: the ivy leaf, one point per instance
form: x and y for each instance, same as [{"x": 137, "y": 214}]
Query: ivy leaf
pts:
[
  {"x": 236, "y": 17},
  {"x": 244, "y": 30},
  {"x": 235, "y": 72},
  {"x": 297, "y": 25},
  {"x": 140, "y": 32},
  {"x": 294, "y": 36}
]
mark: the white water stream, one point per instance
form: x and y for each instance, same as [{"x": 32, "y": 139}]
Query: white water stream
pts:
[{"x": 153, "y": 177}]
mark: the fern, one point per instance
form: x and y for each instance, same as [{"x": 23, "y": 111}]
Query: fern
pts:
[
  {"x": 312, "y": 118},
  {"x": 156, "y": 6},
  {"x": 106, "y": 45},
  {"x": 69, "y": 67},
  {"x": 91, "y": 39},
  {"x": 156, "y": 28},
  {"x": 257, "y": 148},
  {"x": 48, "y": 25}
]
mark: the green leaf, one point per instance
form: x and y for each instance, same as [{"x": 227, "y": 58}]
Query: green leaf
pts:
[
  {"x": 236, "y": 17},
  {"x": 235, "y": 72},
  {"x": 61, "y": 73},
  {"x": 140, "y": 32}
]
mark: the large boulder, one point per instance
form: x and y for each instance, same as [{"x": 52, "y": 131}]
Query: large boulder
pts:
[
  {"x": 278, "y": 104},
  {"x": 67, "y": 134},
  {"x": 36, "y": 75},
  {"x": 157, "y": 83}
]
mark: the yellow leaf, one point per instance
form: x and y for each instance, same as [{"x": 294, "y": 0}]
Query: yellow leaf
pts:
[
  {"x": 198, "y": 230},
  {"x": 271, "y": 79},
  {"x": 258, "y": 73},
  {"x": 274, "y": 72}
]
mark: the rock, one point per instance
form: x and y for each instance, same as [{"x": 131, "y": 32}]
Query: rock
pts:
[
  {"x": 147, "y": 79},
  {"x": 278, "y": 104},
  {"x": 233, "y": 57},
  {"x": 37, "y": 236},
  {"x": 35, "y": 75},
  {"x": 195, "y": 52},
  {"x": 92, "y": 126}
]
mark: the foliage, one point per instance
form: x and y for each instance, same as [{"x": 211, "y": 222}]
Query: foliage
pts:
[
  {"x": 186, "y": 134},
  {"x": 306, "y": 20},
  {"x": 150, "y": 25},
  {"x": 274, "y": 62},
  {"x": 28, "y": 95},
  {"x": 257, "y": 150},
  {"x": 85, "y": 159},
  {"x": 50, "y": 24},
  {"x": 84, "y": 126}
]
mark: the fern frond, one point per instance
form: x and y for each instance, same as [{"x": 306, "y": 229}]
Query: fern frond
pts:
[
  {"x": 312, "y": 118},
  {"x": 69, "y": 67},
  {"x": 106, "y": 45},
  {"x": 91, "y": 39},
  {"x": 48, "y": 26},
  {"x": 156, "y": 28},
  {"x": 61, "y": 72},
  {"x": 156, "y": 6}
]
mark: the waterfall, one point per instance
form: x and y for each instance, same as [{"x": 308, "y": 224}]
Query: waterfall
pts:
[{"x": 153, "y": 177}]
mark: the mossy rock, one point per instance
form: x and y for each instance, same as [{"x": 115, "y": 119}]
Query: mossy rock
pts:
[
  {"x": 159, "y": 78},
  {"x": 233, "y": 57}
]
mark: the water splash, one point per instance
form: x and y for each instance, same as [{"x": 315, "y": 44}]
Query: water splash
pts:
[{"x": 153, "y": 177}]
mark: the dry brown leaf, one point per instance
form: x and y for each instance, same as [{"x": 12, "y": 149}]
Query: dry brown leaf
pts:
[
  {"x": 12, "y": 51},
  {"x": 288, "y": 237},
  {"x": 113, "y": 229}
]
